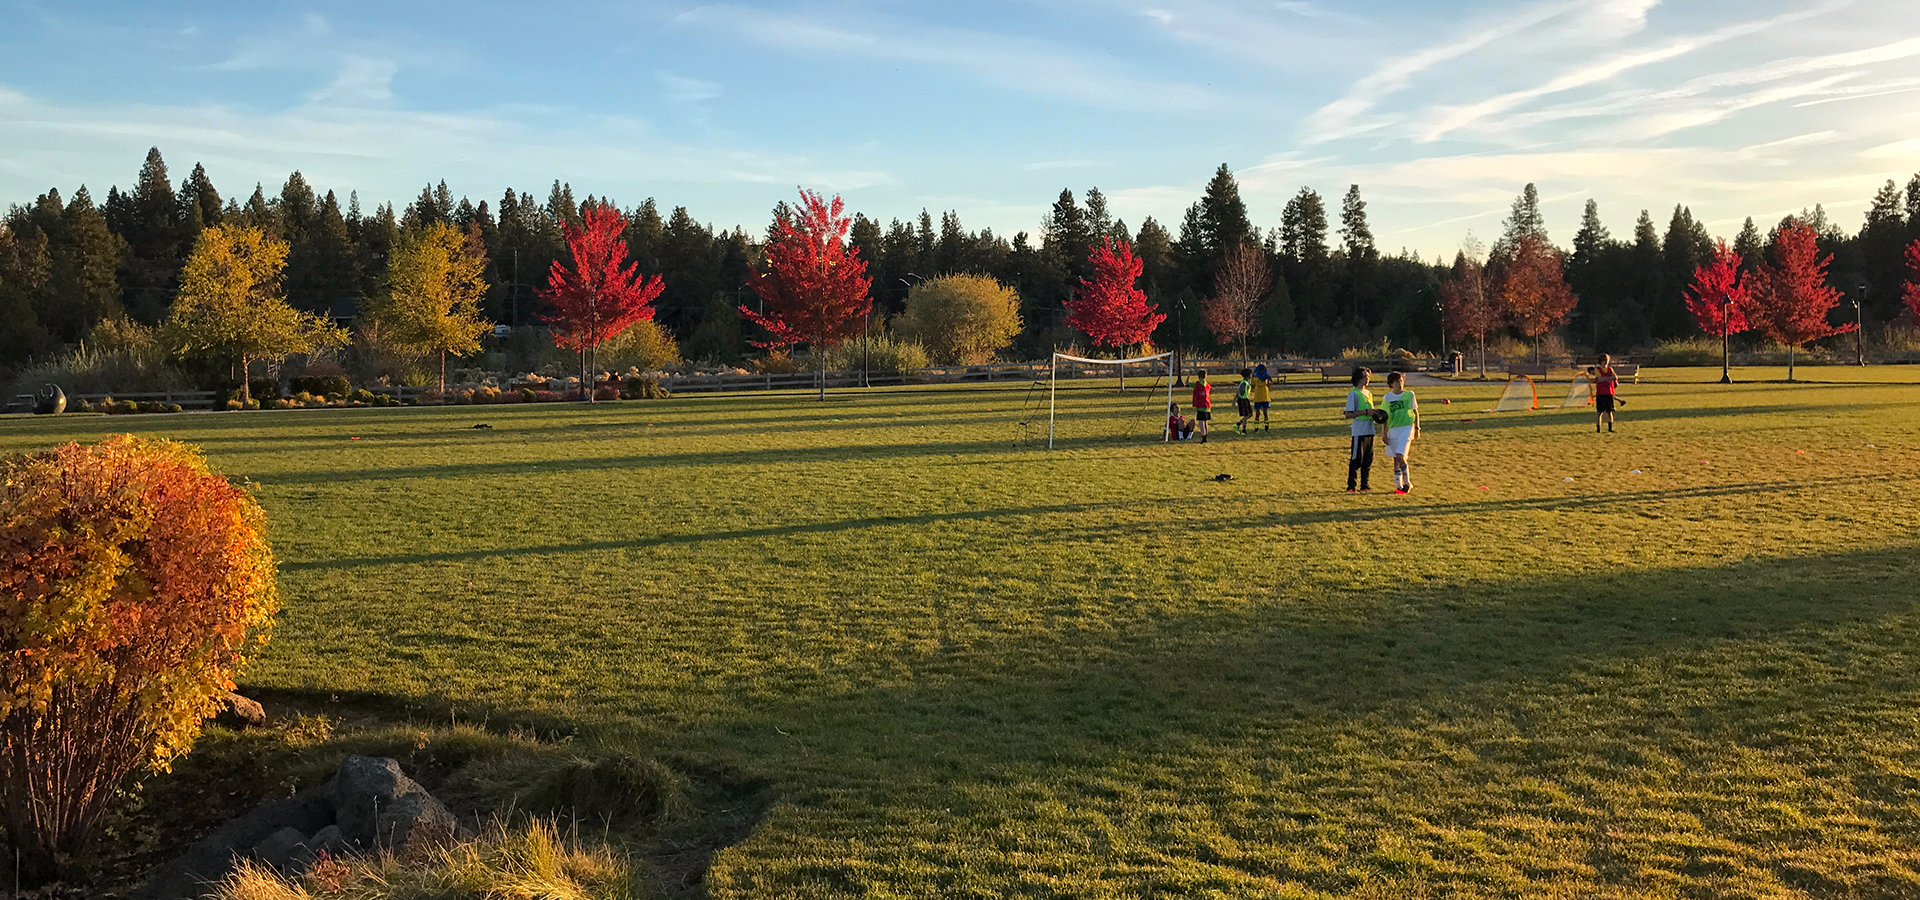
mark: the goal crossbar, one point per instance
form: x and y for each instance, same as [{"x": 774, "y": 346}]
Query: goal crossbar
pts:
[{"x": 1053, "y": 381}]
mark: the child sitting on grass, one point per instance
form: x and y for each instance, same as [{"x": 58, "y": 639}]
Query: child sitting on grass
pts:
[{"x": 1179, "y": 428}]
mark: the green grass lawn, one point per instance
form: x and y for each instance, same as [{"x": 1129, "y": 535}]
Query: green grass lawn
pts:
[{"x": 1682, "y": 660}]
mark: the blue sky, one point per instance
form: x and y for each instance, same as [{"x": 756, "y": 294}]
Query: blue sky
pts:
[{"x": 1440, "y": 110}]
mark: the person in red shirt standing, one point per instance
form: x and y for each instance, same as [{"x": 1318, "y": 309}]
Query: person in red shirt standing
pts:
[
  {"x": 1606, "y": 386},
  {"x": 1202, "y": 403}
]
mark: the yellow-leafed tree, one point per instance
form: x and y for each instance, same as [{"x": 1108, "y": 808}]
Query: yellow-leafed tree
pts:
[
  {"x": 431, "y": 304},
  {"x": 231, "y": 303},
  {"x": 961, "y": 319}
]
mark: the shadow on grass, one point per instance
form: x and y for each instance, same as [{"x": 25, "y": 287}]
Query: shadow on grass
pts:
[
  {"x": 662, "y": 540},
  {"x": 1424, "y": 708}
]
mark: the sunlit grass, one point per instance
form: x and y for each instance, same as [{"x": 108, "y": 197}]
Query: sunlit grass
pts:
[{"x": 1672, "y": 661}]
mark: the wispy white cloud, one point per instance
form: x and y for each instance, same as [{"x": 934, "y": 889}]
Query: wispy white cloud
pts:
[
  {"x": 1015, "y": 63},
  {"x": 679, "y": 89},
  {"x": 1439, "y": 122},
  {"x": 1352, "y": 114}
]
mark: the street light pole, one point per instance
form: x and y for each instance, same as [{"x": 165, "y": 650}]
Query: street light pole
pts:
[
  {"x": 1859, "y": 329},
  {"x": 1726, "y": 308},
  {"x": 1180, "y": 352}
]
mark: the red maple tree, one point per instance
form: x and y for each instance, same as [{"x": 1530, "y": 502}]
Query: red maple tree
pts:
[
  {"x": 1791, "y": 297},
  {"x": 814, "y": 284},
  {"x": 1467, "y": 307},
  {"x": 1912, "y": 291},
  {"x": 1533, "y": 289},
  {"x": 1111, "y": 311},
  {"x": 1718, "y": 299},
  {"x": 602, "y": 295}
]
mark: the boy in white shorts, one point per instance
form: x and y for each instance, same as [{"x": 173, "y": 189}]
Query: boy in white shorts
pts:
[{"x": 1403, "y": 426}]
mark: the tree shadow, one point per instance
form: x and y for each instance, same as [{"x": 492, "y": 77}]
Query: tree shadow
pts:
[{"x": 1571, "y": 680}]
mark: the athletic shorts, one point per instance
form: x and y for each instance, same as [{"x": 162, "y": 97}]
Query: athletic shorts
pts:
[
  {"x": 1204, "y": 415},
  {"x": 1263, "y": 404},
  {"x": 1246, "y": 408},
  {"x": 1603, "y": 403},
  {"x": 1398, "y": 440}
]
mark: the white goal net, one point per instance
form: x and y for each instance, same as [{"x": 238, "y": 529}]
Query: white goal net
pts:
[
  {"x": 1580, "y": 393},
  {"x": 1053, "y": 380},
  {"x": 1519, "y": 395}
]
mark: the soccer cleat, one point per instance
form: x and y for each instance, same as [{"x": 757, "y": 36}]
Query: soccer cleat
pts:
[
  {"x": 1350, "y": 490},
  {"x": 1399, "y": 490}
]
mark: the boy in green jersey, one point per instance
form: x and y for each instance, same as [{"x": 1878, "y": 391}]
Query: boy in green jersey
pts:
[
  {"x": 1243, "y": 399},
  {"x": 1360, "y": 412},
  {"x": 1403, "y": 426}
]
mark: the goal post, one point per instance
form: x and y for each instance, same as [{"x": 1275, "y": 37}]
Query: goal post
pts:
[
  {"x": 1053, "y": 380},
  {"x": 1580, "y": 393},
  {"x": 1519, "y": 395}
]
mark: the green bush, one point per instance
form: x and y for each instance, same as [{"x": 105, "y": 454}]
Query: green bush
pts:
[
  {"x": 327, "y": 385},
  {"x": 263, "y": 388},
  {"x": 644, "y": 346},
  {"x": 881, "y": 353},
  {"x": 638, "y": 387},
  {"x": 1693, "y": 351},
  {"x": 116, "y": 356}
]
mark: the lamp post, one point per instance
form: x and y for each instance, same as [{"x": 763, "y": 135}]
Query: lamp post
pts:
[
  {"x": 1726, "y": 309},
  {"x": 1859, "y": 328},
  {"x": 1180, "y": 352}
]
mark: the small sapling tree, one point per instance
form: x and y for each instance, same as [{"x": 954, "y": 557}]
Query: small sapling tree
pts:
[
  {"x": 431, "y": 301},
  {"x": 1108, "y": 307},
  {"x": 1239, "y": 293},
  {"x": 1791, "y": 298},
  {"x": 1718, "y": 299},
  {"x": 813, "y": 283},
  {"x": 601, "y": 295},
  {"x": 231, "y": 303},
  {"x": 1467, "y": 307},
  {"x": 131, "y": 581}
]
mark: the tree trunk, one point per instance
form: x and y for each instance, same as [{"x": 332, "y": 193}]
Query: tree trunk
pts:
[
  {"x": 823, "y": 375},
  {"x": 1483, "y": 357},
  {"x": 1790, "y": 350},
  {"x": 246, "y": 388},
  {"x": 443, "y": 375}
]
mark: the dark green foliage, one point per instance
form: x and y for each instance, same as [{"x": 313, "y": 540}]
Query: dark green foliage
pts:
[{"x": 334, "y": 387}]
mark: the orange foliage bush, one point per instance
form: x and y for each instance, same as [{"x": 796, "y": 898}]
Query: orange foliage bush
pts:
[{"x": 131, "y": 580}]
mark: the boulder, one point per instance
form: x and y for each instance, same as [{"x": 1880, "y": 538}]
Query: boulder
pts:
[
  {"x": 283, "y": 850},
  {"x": 414, "y": 822},
  {"x": 238, "y": 712},
  {"x": 362, "y": 787},
  {"x": 213, "y": 856}
]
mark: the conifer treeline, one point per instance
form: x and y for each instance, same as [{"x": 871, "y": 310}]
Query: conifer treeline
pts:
[{"x": 68, "y": 263}]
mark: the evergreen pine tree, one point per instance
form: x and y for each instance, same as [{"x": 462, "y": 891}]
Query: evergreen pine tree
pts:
[
  {"x": 1099, "y": 220},
  {"x": 1687, "y": 247},
  {"x": 1749, "y": 246},
  {"x": 1223, "y": 215},
  {"x": 1354, "y": 233},
  {"x": 84, "y": 257},
  {"x": 1647, "y": 284},
  {"x": 24, "y": 267},
  {"x": 199, "y": 204}
]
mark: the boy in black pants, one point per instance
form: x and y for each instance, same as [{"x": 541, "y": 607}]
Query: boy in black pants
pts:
[{"x": 1359, "y": 411}]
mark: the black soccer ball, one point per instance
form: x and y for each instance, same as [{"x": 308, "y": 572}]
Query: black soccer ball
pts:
[{"x": 1377, "y": 415}]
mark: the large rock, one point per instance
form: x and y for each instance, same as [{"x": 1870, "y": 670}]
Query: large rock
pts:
[
  {"x": 282, "y": 850},
  {"x": 237, "y": 712},
  {"x": 377, "y": 805},
  {"x": 415, "y": 822},
  {"x": 213, "y": 856}
]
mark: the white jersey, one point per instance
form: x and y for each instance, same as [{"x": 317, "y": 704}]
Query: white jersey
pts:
[{"x": 1360, "y": 399}]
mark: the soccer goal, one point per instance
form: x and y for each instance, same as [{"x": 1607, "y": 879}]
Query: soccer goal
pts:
[
  {"x": 1580, "y": 393},
  {"x": 1053, "y": 379},
  {"x": 1519, "y": 395}
]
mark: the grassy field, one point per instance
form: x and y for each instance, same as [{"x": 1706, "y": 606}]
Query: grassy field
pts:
[{"x": 1681, "y": 660}]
